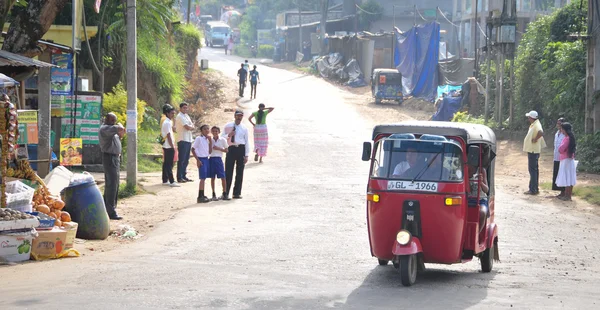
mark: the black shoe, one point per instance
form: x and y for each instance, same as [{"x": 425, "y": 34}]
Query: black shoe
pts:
[
  {"x": 188, "y": 180},
  {"x": 215, "y": 198},
  {"x": 181, "y": 180},
  {"x": 237, "y": 196},
  {"x": 202, "y": 200},
  {"x": 116, "y": 217},
  {"x": 225, "y": 197}
]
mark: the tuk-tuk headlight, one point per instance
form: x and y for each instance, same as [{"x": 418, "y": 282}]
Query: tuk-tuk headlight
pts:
[{"x": 403, "y": 237}]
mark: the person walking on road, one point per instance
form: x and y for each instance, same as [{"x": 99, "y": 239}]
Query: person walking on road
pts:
[
  {"x": 558, "y": 138},
  {"x": 184, "y": 127},
  {"x": 254, "y": 80},
  {"x": 532, "y": 145},
  {"x": 237, "y": 154},
  {"x": 109, "y": 136},
  {"x": 230, "y": 45},
  {"x": 243, "y": 77},
  {"x": 217, "y": 169},
  {"x": 201, "y": 149},
  {"x": 261, "y": 133},
  {"x": 168, "y": 147},
  {"x": 567, "y": 174}
]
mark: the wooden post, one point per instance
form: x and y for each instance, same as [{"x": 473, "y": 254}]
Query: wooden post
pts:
[{"x": 44, "y": 143}]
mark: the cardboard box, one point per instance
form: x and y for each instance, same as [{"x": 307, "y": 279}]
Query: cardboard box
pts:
[
  {"x": 71, "y": 228},
  {"x": 49, "y": 244},
  {"x": 16, "y": 246}
]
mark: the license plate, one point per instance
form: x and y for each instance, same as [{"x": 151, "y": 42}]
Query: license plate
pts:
[{"x": 412, "y": 186}]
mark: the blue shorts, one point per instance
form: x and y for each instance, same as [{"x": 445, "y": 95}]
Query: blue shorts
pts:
[
  {"x": 204, "y": 169},
  {"x": 216, "y": 168}
]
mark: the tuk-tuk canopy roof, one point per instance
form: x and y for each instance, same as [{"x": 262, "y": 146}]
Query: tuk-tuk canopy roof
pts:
[{"x": 471, "y": 133}]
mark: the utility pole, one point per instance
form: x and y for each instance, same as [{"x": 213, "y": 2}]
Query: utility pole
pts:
[
  {"x": 131, "y": 94},
  {"x": 189, "y": 8},
  {"x": 488, "y": 43},
  {"x": 476, "y": 35},
  {"x": 300, "y": 41},
  {"x": 323, "y": 32},
  {"x": 592, "y": 107}
]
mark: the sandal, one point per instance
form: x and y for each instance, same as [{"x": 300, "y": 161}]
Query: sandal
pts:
[{"x": 256, "y": 157}]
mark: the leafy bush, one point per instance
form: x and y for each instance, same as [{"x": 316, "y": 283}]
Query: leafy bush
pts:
[
  {"x": 265, "y": 51},
  {"x": 116, "y": 102},
  {"x": 549, "y": 70},
  {"x": 188, "y": 37},
  {"x": 465, "y": 117},
  {"x": 588, "y": 153},
  {"x": 167, "y": 66},
  {"x": 242, "y": 51}
]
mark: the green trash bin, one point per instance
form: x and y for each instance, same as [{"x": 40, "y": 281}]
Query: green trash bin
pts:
[{"x": 86, "y": 205}]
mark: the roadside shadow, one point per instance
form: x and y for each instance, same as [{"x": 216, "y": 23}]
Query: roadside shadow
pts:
[{"x": 434, "y": 289}]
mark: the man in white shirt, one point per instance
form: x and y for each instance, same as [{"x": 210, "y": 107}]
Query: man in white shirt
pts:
[
  {"x": 168, "y": 147},
  {"x": 237, "y": 155},
  {"x": 184, "y": 127}
]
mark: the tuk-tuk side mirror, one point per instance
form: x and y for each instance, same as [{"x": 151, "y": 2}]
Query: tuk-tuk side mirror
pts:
[
  {"x": 366, "y": 155},
  {"x": 473, "y": 156}
]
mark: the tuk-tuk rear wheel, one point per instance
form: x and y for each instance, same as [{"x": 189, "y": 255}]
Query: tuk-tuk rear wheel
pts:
[
  {"x": 408, "y": 269},
  {"x": 487, "y": 259},
  {"x": 383, "y": 262},
  {"x": 377, "y": 101}
]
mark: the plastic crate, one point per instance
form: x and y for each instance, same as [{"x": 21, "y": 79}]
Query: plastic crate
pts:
[
  {"x": 18, "y": 194},
  {"x": 23, "y": 208}
]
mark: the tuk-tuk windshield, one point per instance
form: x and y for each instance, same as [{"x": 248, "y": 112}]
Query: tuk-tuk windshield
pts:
[{"x": 417, "y": 160}]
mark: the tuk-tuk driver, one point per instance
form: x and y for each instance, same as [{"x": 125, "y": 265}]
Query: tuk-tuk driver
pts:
[
  {"x": 411, "y": 161},
  {"x": 430, "y": 171}
]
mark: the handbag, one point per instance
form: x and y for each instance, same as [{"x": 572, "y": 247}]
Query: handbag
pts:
[{"x": 160, "y": 139}]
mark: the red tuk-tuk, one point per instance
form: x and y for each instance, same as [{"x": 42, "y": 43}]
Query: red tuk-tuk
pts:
[{"x": 430, "y": 196}]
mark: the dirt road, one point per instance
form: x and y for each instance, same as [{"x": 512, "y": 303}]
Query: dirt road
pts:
[{"x": 298, "y": 238}]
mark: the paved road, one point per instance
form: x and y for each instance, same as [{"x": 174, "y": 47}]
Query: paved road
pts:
[{"x": 298, "y": 238}]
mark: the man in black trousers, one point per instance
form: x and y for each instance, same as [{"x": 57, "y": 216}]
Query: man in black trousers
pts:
[
  {"x": 243, "y": 76},
  {"x": 237, "y": 155},
  {"x": 109, "y": 136}
]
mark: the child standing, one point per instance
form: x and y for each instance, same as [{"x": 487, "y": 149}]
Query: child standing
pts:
[
  {"x": 201, "y": 149},
  {"x": 217, "y": 169}
]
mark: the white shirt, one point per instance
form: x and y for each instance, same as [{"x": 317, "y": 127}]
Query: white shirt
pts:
[
  {"x": 201, "y": 146},
  {"x": 401, "y": 168},
  {"x": 241, "y": 135},
  {"x": 182, "y": 133},
  {"x": 558, "y": 138},
  {"x": 220, "y": 143},
  {"x": 167, "y": 128}
]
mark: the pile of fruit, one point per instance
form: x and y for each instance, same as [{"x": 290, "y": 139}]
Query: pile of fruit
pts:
[
  {"x": 50, "y": 205},
  {"x": 13, "y": 215},
  {"x": 20, "y": 169}
]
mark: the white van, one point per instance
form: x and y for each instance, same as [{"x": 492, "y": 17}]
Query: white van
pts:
[{"x": 216, "y": 33}]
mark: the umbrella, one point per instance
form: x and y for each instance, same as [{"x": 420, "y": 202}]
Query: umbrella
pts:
[
  {"x": 228, "y": 15},
  {"x": 6, "y": 81}
]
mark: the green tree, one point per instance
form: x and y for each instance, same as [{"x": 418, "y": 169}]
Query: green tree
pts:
[{"x": 370, "y": 11}]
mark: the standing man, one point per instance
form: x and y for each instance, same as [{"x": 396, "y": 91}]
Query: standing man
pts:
[
  {"x": 533, "y": 144},
  {"x": 254, "y": 80},
  {"x": 243, "y": 75},
  {"x": 237, "y": 154},
  {"x": 110, "y": 135},
  {"x": 184, "y": 127}
]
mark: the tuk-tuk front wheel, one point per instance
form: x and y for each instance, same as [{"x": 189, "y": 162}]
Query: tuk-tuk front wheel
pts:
[
  {"x": 377, "y": 101},
  {"x": 383, "y": 262},
  {"x": 487, "y": 259},
  {"x": 408, "y": 269}
]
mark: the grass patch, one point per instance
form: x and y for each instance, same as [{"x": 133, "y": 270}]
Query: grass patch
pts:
[
  {"x": 146, "y": 145},
  {"x": 126, "y": 191},
  {"x": 308, "y": 70},
  {"x": 590, "y": 194}
]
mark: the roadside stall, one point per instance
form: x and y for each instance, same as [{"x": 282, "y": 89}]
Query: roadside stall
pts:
[{"x": 34, "y": 221}]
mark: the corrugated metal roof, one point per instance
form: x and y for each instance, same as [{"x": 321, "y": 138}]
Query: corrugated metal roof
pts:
[{"x": 8, "y": 59}]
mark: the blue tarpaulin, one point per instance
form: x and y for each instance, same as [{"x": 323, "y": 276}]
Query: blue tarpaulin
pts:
[
  {"x": 5, "y": 81},
  {"x": 447, "y": 89},
  {"x": 416, "y": 56},
  {"x": 447, "y": 108}
]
